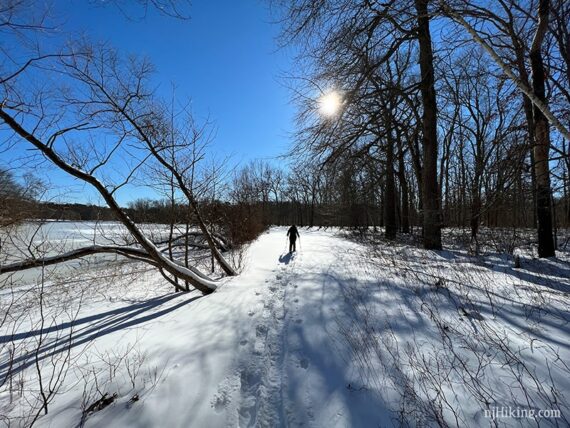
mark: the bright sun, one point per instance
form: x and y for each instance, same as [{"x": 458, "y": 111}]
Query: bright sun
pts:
[{"x": 329, "y": 104}]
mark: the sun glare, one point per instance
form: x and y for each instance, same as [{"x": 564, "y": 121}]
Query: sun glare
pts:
[{"x": 329, "y": 104}]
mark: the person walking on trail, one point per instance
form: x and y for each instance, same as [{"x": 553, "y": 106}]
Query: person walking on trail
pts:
[{"x": 293, "y": 234}]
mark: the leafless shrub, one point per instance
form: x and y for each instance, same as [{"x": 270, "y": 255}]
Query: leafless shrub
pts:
[{"x": 112, "y": 375}]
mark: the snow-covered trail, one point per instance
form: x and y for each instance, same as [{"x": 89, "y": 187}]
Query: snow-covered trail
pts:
[
  {"x": 262, "y": 351},
  {"x": 290, "y": 370}
]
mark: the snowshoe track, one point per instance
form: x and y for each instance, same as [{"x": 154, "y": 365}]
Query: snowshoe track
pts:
[{"x": 258, "y": 386}]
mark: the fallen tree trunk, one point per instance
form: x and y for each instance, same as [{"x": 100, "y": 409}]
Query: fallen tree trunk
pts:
[{"x": 128, "y": 252}]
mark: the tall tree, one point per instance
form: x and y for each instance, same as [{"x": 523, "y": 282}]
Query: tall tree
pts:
[
  {"x": 542, "y": 138},
  {"x": 430, "y": 194}
]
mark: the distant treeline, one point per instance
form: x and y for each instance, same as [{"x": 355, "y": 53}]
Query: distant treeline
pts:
[
  {"x": 262, "y": 196},
  {"x": 348, "y": 214},
  {"x": 218, "y": 212},
  {"x": 77, "y": 212}
]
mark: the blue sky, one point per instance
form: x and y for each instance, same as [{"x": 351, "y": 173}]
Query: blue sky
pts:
[{"x": 224, "y": 58}]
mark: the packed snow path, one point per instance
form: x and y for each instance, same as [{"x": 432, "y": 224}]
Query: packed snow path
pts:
[{"x": 288, "y": 370}]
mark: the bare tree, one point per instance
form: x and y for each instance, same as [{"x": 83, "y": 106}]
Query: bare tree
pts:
[
  {"x": 431, "y": 197},
  {"x": 542, "y": 137},
  {"x": 107, "y": 98}
]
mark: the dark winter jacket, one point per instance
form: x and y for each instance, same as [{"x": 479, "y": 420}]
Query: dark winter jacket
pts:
[{"x": 292, "y": 233}]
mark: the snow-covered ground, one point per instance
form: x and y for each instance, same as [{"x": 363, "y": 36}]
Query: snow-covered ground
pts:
[{"x": 342, "y": 333}]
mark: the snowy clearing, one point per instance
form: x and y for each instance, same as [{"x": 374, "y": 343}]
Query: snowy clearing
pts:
[{"x": 342, "y": 333}]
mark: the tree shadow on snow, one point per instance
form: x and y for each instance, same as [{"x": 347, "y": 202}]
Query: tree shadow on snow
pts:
[
  {"x": 351, "y": 310},
  {"x": 87, "y": 329},
  {"x": 550, "y": 273}
]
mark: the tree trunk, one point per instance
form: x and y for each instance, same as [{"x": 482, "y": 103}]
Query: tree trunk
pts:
[
  {"x": 542, "y": 139},
  {"x": 430, "y": 193},
  {"x": 405, "y": 191},
  {"x": 528, "y": 107},
  {"x": 390, "y": 192},
  {"x": 567, "y": 185},
  {"x": 171, "y": 228},
  {"x": 475, "y": 215}
]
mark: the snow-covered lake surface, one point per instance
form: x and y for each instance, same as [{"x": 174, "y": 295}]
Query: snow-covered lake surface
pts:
[
  {"x": 49, "y": 238},
  {"x": 342, "y": 333},
  {"x": 52, "y": 237}
]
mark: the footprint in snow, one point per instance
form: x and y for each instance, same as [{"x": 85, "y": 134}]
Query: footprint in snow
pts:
[
  {"x": 304, "y": 363},
  {"x": 261, "y": 330},
  {"x": 251, "y": 313},
  {"x": 298, "y": 320},
  {"x": 243, "y": 342},
  {"x": 219, "y": 402},
  {"x": 222, "y": 398}
]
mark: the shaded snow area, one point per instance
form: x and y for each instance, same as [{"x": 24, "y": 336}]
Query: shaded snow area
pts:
[{"x": 348, "y": 331}]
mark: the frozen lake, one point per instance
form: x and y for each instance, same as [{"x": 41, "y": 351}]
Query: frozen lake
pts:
[{"x": 42, "y": 239}]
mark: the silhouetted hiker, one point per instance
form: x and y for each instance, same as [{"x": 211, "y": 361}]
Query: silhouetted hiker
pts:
[{"x": 292, "y": 233}]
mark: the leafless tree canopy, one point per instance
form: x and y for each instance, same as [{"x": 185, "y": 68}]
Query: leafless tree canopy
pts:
[{"x": 464, "y": 104}]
